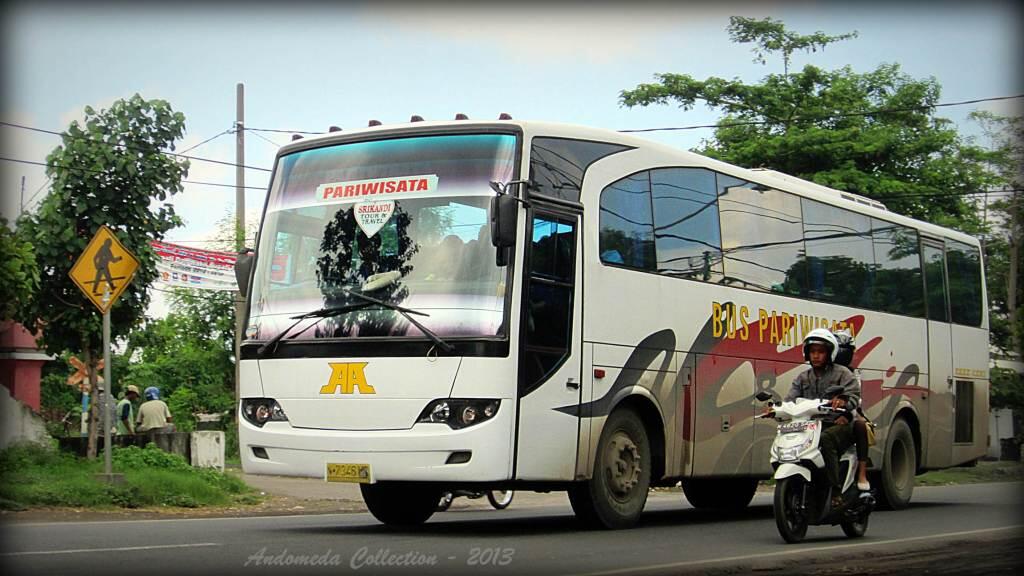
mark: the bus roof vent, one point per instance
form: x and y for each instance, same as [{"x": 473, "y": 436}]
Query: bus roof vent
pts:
[
  {"x": 461, "y": 116},
  {"x": 504, "y": 116},
  {"x": 373, "y": 123},
  {"x": 334, "y": 129},
  {"x": 416, "y": 118},
  {"x": 296, "y": 137}
]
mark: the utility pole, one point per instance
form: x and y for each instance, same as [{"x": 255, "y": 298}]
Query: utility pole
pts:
[
  {"x": 22, "y": 209},
  {"x": 239, "y": 217}
]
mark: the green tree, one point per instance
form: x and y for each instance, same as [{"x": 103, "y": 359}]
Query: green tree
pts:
[
  {"x": 19, "y": 277},
  {"x": 1003, "y": 247},
  {"x": 189, "y": 354},
  {"x": 874, "y": 134},
  {"x": 107, "y": 171}
]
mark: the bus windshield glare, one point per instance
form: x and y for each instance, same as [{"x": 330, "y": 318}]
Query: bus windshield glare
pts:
[{"x": 404, "y": 220}]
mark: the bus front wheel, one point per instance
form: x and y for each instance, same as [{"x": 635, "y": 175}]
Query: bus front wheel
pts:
[
  {"x": 400, "y": 503},
  {"x": 616, "y": 494}
]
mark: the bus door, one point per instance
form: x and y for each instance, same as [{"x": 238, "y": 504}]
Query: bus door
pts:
[
  {"x": 937, "y": 421},
  {"x": 550, "y": 379}
]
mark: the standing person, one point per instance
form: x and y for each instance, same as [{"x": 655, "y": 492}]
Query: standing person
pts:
[
  {"x": 820, "y": 349},
  {"x": 154, "y": 415},
  {"x": 126, "y": 411}
]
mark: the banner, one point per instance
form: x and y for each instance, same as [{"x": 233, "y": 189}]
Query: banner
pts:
[{"x": 194, "y": 268}]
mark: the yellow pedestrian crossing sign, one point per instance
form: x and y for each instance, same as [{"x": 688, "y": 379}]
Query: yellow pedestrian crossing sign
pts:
[{"x": 104, "y": 269}]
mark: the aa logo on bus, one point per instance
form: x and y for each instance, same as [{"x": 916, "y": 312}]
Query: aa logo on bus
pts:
[{"x": 346, "y": 378}]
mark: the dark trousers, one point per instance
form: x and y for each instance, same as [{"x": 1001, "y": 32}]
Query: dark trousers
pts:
[{"x": 835, "y": 440}]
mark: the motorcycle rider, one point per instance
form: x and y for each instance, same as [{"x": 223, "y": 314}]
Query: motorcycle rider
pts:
[{"x": 820, "y": 349}]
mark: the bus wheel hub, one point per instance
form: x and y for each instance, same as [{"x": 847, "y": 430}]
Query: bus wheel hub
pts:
[{"x": 623, "y": 464}]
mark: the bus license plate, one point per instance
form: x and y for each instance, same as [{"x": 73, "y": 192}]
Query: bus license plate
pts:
[{"x": 359, "y": 473}]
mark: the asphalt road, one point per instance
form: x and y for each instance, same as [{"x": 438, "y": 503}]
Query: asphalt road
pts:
[{"x": 947, "y": 530}]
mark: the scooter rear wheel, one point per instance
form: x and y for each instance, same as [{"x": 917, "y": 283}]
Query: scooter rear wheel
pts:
[
  {"x": 500, "y": 499},
  {"x": 789, "y": 519}
]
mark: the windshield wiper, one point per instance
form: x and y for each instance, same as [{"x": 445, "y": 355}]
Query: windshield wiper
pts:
[
  {"x": 271, "y": 345},
  {"x": 407, "y": 312}
]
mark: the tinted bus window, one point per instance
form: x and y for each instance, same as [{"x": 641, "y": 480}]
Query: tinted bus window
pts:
[
  {"x": 686, "y": 233},
  {"x": 762, "y": 236},
  {"x": 965, "y": 297},
  {"x": 557, "y": 165},
  {"x": 898, "y": 287},
  {"x": 935, "y": 279},
  {"x": 840, "y": 255},
  {"x": 627, "y": 225}
]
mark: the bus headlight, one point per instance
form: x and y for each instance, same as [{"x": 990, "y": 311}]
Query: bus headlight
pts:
[
  {"x": 259, "y": 411},
  {"x": 459, "y": 412}
]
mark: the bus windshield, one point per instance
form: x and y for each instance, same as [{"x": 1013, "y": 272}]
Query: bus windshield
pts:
[{"x": 405, "y": 221}]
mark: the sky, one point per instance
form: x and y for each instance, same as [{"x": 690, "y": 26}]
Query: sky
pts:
[{"x": 306, "y": 66}]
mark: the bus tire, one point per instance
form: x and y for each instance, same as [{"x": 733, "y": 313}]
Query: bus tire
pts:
[
  {"x": 720, "y": 493},
  {"x": 616, "y": 494},
  {"x": 895, "y": 481},
  {"x": 401, "y": 503}
]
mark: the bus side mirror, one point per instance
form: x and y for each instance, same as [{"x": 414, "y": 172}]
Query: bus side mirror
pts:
[
  {"x": 503, "y": 221},
  {"x": 243, "y": 268}
]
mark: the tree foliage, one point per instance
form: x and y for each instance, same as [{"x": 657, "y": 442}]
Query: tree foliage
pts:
[
  {"x": 1004, "y": 252},
  {"x": 19, "y": 277},
  {"x": 874, "y": 134},
  {"x": 106, "y": 172},
  {"x": 189, "y": 354}
]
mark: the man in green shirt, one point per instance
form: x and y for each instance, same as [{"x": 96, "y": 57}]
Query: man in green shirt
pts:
[{"x": 126, "y": 411}]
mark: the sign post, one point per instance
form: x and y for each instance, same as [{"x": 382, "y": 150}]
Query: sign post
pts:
[{"x": 105, "y": 261}]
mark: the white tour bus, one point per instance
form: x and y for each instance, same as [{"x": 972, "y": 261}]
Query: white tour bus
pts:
[{"x": 536, "y": 306}]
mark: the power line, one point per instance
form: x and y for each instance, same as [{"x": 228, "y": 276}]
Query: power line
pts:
[
  {"x": 825, "y": 117},
  {"x": 4, "y": 158},
  {"x": 36, "y": 193},
  {"x": 282, "y": 131},
  {"x": 262, "y": 137},
  {"x": 210, "y": 139},
  {"x": 175, "y": 154}
]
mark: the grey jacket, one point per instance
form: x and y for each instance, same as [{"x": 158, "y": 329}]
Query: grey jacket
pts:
[{"x": 810, "y": 385}]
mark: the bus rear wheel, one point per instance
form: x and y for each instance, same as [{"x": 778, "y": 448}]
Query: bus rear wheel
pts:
[
  {"x": 899, "y": 466},
  {"x": 720, "y": 493},
  {"x": 400, "y": 503},
  {"x": 616, "y": 494}
]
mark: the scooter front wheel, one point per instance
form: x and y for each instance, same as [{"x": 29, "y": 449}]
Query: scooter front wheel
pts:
[
  {"x": 789, "y": 517},
  {"x": 445, "y": 501},
  {"x": 500, "y": 499}
]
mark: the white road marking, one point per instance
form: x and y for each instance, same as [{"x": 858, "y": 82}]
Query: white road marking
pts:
[
  {"x": 121, "y": 549},
  {"x": 761, "y": 556}
]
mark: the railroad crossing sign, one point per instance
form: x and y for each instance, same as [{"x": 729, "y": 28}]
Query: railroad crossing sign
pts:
[
  {"x": 80, "y": 379},
  {"x": 104, "y": 269}
]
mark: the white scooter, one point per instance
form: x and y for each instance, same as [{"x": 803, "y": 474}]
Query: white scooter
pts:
[{"x": 802, "y": 491}]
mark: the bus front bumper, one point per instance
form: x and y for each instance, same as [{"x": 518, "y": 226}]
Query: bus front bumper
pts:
[{"x": 421, "y": 453}]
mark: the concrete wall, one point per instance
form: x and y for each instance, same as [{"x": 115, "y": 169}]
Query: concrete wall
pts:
[
  {"x": 208, "y": 449},
  {"x": 18, "y": 422}
]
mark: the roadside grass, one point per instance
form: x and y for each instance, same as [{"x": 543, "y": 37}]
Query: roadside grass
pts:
[
  {"x": 984, "y": 471},
  {"x": 38, "y": 475}
]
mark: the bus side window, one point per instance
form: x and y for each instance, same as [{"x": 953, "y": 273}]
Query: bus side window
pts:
[{"x": 935, "y": 280}]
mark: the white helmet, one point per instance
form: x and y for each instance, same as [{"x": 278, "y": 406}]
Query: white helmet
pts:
[{"x": 821, "y": 336}]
